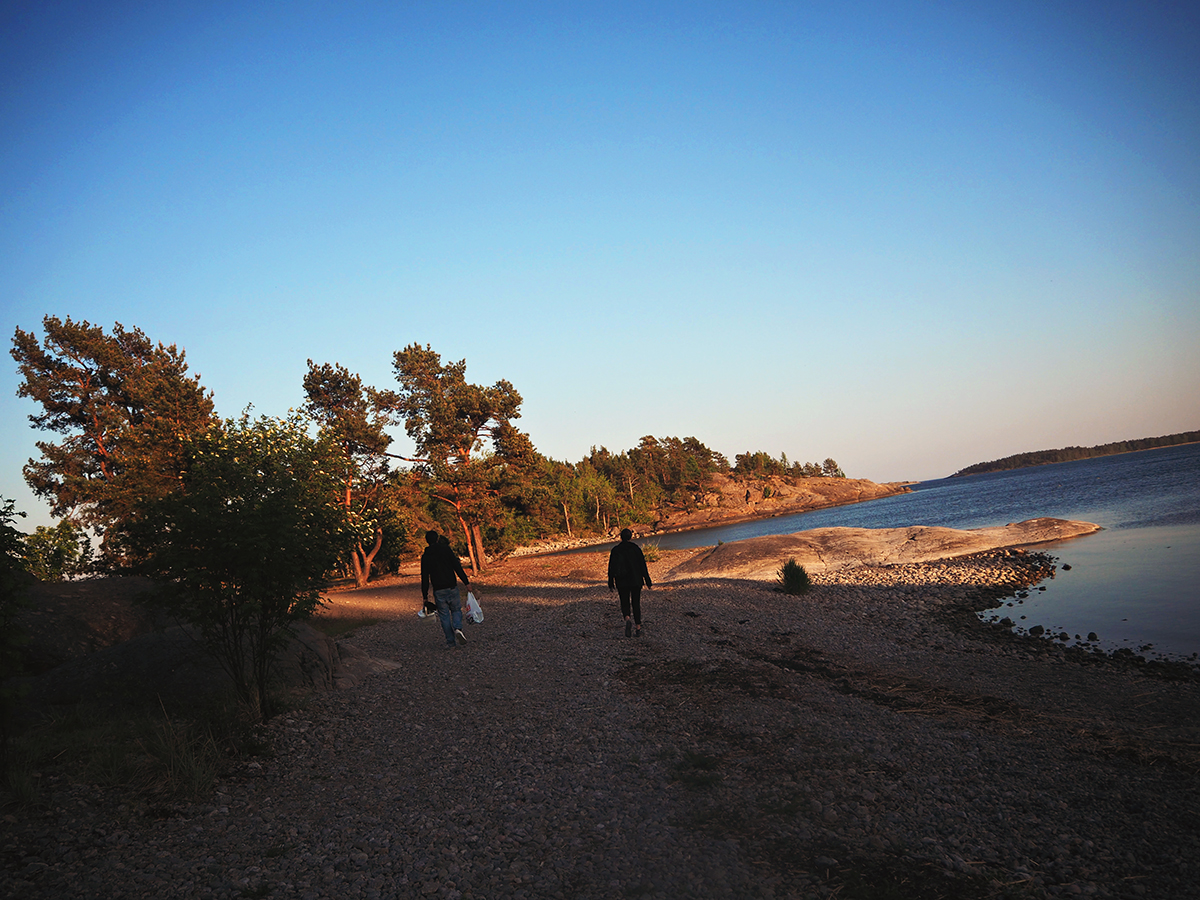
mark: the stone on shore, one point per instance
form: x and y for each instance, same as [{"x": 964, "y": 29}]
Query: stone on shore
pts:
[{"x": 824, "y": 550}]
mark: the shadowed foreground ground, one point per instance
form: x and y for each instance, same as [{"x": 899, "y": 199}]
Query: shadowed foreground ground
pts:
[{"x": 869, "y": 739}]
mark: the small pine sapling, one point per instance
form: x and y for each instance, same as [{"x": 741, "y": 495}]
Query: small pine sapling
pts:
[{"x": 793, "y": 578}]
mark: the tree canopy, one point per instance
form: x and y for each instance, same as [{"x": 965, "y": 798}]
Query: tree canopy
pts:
[
  {"x": 451, "y": 421},
  {"x": 58, "y": 553},
  {"x": 353, "y": 418},
  {"x": 130, "y": 419},
  {"x": 124, "y": 407}
]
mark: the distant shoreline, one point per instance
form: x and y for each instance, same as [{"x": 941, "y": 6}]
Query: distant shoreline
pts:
[
  {"x": 1074, "y": 454},
  {"x": 705, "y": 520}
]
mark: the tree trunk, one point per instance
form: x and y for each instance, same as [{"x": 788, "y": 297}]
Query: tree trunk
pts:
[
  {"x": 363, "y": 560},
  {"x": 567, "y": 518},
  {"x": 478, "y": 534},
  {"x": 475, "y": 567}
]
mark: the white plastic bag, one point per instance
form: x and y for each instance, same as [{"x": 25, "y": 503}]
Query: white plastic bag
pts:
[{"x": 474, "y": 610}]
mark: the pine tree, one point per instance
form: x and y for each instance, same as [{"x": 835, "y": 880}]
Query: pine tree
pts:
[
  {"x": 354, "y": 418},
  {"x": 123, "y": 405},
  {"x": 449, "y": 419}
]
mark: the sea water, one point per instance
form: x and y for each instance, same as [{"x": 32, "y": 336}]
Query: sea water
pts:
[{"x": 1136, "y": 584}]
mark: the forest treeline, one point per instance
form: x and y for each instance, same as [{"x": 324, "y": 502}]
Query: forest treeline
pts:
[
  {"x": 1067, "y": 454},
  {"x": 134, "y": 449}
]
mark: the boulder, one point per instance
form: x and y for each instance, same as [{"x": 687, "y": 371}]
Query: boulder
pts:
[
  {"x": 831, "y": 549},
  {"x": 68, "y": 620}
]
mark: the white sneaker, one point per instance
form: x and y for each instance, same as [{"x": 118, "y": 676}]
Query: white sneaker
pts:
[
  {"x": 421, "y": 613},
  {"x": 462, "y": 637}
]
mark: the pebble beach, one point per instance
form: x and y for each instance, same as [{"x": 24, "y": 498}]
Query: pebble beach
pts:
[{"x": 871, "y": 736}]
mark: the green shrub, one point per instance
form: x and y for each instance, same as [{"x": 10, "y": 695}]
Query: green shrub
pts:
[
  {"x": 245, "y": 542},
  {"x": 793, "y": 578},
  {"x": 651, "y": 552}
]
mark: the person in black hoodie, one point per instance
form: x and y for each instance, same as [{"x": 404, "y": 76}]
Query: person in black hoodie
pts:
[
  {"x": 627, "y": 572},
  {"x": 441, "y": 569}
]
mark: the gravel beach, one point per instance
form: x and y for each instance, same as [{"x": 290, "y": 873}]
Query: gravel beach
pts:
[{"x": 869, "y": 739}]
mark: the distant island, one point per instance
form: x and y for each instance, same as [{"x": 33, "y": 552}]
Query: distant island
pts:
[{"x": 1067, "y": 454}]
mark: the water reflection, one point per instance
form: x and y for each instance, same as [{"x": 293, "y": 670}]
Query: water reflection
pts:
[{"x": 1132, "y": 586}]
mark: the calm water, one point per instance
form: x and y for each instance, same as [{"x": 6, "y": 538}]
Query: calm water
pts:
[{"x": 1134, "y": 584}]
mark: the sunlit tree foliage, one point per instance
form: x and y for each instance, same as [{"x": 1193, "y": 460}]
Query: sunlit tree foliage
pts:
[
  {"x": 354, "y": 417},
  {"x": 123, "y": 406},
  {"x": 455, "y": 426},
  {"x": 58, "y": 553}
]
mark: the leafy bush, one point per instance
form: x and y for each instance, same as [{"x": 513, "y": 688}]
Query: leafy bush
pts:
[
  {"x": 246, "y": 542},
  {"x": 651, "y": 552},
  {"x": 793, "y": 578}
]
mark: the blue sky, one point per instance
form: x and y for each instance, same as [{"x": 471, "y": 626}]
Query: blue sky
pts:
[{"x": 910, "y": 236}]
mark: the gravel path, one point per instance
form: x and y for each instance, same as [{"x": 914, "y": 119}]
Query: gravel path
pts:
[{"x": 869, "y": 737}]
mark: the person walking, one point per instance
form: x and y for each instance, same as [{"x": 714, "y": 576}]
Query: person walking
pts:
[
  {"x": 441, "y": 568},
  {"x": 627, "y": 572}
]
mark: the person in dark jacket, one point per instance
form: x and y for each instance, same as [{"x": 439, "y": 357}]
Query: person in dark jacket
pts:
[
  {"x": 627, "y": 572},
  {"x": 441, "y": 569}
]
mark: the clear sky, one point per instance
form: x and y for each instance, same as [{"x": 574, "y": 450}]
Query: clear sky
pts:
[{"x": 910, "y": 236}]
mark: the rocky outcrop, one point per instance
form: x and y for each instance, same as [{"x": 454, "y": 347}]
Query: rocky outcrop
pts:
[
  {"x": 833, "y": 549},
  {"x": 69, "y": 620},
  {"x": 726, "y": 500}
]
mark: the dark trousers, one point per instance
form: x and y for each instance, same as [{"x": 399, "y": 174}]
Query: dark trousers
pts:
[{"x": 631, "y": 597}]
